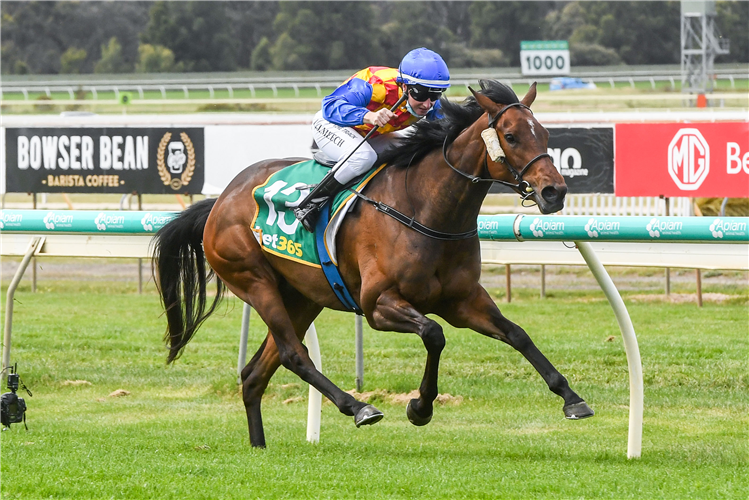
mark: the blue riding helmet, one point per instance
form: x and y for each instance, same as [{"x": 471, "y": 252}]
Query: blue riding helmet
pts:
[{"x": 424, "y": 67}]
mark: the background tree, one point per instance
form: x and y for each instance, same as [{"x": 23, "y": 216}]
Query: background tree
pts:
[
  {"x": 52, "y": 37},
  {"x": 196, "y": 32},
  {"x": 308, "y": 32},
  {"x": 504, "y": 25},
  {"x": 155, "y": 59},
  {"x": 26, "y": 30},
  {"x": 72, "y": 60},
  {"x": 36, "y": 34},
  {"x": 640, "y": 32},
  {"x": 413, "y": 25},
  {"x": 733, "y": 23},
  {"x": 260, "y": 59},
  {"x": 112, "y": 60},
  {"x": 250, "y": 23}
]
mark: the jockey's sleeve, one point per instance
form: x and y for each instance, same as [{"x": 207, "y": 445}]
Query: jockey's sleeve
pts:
[{"x": 346, "y": 106}]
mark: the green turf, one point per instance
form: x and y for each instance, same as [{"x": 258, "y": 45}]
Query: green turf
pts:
[{"x": 181, "y": 433}]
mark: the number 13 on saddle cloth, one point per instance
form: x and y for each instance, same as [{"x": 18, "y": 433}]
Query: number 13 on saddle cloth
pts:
[{"x": 276, "y": 228}]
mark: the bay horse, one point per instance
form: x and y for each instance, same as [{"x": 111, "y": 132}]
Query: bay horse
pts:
[{"x": 439, "y": 176}]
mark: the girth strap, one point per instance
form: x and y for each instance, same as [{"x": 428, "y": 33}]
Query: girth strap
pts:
[{"x": 328, "y": 268}]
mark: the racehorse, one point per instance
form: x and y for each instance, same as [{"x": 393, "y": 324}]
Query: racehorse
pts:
[{"x": 396, "y": 272}]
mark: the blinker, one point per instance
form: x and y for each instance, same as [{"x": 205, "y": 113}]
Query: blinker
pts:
[{"x": 491, "y": 139}]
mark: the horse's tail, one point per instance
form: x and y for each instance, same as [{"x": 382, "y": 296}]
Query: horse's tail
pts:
[{"x": 181, "y": 274}]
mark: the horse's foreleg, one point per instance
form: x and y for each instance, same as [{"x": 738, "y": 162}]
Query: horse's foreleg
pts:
[
  {"x": 393, "y": 313},
  {"x": 480, "y": 313}
]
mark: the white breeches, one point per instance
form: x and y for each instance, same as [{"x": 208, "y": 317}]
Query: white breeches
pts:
[{"x": 336, "y": 142}]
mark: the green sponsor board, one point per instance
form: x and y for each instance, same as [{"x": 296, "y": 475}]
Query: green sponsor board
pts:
[
  {"x": 576, "y": 228},
  {"x": 497, "y": 227},
  {"x": 491, "y": 227},
  {"x": 79, "y": 221}
]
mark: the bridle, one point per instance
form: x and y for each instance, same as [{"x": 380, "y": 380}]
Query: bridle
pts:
[{"x": 522, "y": 187}]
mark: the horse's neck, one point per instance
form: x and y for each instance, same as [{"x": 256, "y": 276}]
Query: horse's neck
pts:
[{"x": 444, "y": 199}]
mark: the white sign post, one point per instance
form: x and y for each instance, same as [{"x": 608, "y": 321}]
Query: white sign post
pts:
[{"x": 545, "y": 58}]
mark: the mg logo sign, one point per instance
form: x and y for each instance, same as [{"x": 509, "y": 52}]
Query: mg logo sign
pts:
[{"x": 688, "y": 159}]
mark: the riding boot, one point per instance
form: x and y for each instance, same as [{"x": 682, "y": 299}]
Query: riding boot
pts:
[{"x": 309, "y": 209}]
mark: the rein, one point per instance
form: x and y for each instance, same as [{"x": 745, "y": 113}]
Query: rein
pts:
[
  {"x": 412, "y": 223},
  {"x": 522, "y": 187}
]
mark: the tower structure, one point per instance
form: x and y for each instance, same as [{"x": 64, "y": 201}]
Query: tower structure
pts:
[{"x": 700, "y": 43}]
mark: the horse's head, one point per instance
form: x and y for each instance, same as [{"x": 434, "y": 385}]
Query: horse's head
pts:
[{"x": 517, "y": 144}]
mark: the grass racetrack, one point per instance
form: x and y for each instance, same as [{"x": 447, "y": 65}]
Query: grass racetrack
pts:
[{"x": 181, "y": 431}]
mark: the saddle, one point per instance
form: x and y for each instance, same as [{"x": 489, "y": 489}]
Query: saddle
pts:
[
  {"x": 280, "y": 233},
  {"x": 276, "y": 228}
]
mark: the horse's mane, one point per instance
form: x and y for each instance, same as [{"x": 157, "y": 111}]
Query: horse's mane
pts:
[{"x": 429, "y": 135}]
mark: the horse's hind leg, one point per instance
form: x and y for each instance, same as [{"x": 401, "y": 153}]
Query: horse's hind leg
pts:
[
  {"x": 480, "y": 313},
  {"x": 262, "y": 366},
  {"x": 274, "y": 301},
  {"x": 258, "y": 372},
  {"x": 393, "y": 313},
  {"x": 255, "y": 378}
]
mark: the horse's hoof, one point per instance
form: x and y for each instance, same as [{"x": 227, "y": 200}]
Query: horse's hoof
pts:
[
  {"x": 414, "y": 418},
  {"x": 577, "y": 411},
  {"x": 367, "y": 416}
]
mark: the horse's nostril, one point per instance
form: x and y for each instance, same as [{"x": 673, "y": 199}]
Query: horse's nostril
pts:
[{"x": 552, "y": 194}]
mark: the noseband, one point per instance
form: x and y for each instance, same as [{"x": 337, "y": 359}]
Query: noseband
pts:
[{"x": 523, "y": 187}]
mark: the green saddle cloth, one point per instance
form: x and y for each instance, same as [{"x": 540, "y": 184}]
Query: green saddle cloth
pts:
[{"x": 274, "y": 225}]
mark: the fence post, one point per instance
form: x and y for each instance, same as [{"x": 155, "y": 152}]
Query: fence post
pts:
[
  {"x": 359, "y": 353},
  {"x": 243, "y": 335},
  {"x": 636, "y": 390},
  {"x": 508, "y": 283},
  {"x": 35, "y": 243},
  {"x": 314, "y": 407},
  {"x": 543, "y": 281}
]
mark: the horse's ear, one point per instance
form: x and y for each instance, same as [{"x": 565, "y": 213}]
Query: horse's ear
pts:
[
  {"x": 530, "y": 96},
  {"x": 485, "y": 103}
]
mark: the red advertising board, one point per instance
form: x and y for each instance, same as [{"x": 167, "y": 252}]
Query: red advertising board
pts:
[{"x": 682, "y": 159}]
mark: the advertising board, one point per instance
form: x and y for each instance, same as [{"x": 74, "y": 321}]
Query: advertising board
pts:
[
  {"x": 104, "y": 160},
  {"x": 682, "y": 159},
  {"x": 584, "y": 157}
]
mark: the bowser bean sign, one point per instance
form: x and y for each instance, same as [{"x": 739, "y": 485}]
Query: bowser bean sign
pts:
[
  {"x": 104, "y": 160},
  {"x": 682, "y": 159}
]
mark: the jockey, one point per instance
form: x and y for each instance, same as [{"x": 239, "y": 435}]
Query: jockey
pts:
[{"x": 361, "y": 103}]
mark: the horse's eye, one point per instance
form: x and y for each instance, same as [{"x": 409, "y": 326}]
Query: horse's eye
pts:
[{"x": 510, "y": 138}]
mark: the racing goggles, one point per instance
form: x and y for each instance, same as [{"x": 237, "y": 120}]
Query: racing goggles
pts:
[{"x": 420, "y": 93}]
